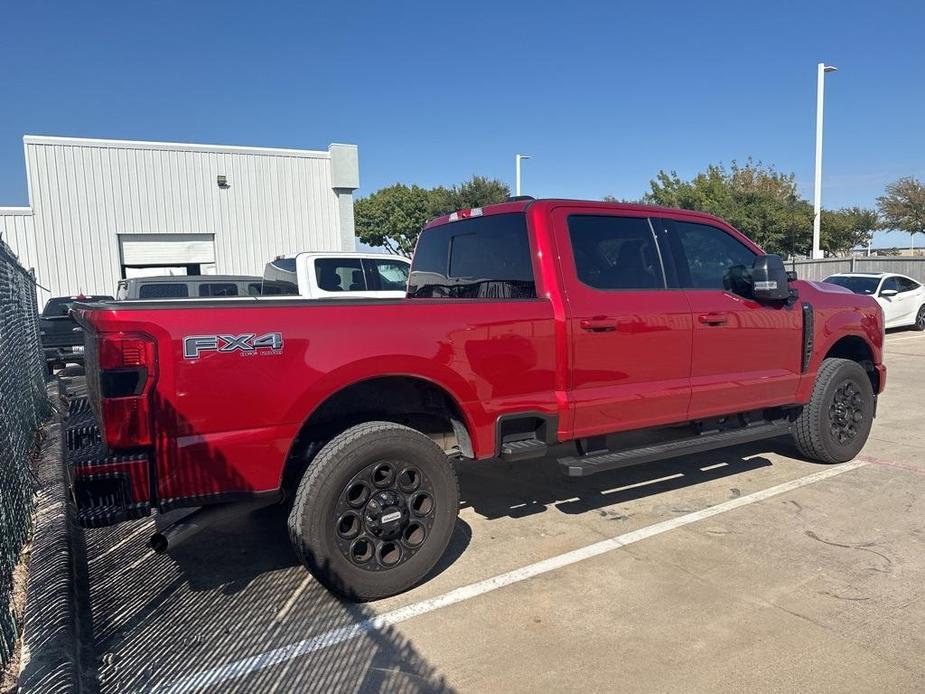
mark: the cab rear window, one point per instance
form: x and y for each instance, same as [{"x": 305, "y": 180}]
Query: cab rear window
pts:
[
  {"x": 163, "y": 290},
  {"x": 478, "y": 258},
  {"x": 218, "y": 289}
]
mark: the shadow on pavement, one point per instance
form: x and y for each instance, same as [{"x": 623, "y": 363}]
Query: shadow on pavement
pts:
[
  {"x": 233, "y": 601},
  {"x": 230, "y": 594},
  {"x": 496, "y": 489}
]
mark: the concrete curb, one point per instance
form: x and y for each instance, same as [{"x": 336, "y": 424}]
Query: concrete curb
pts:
[{"x": 57, "y": 648}]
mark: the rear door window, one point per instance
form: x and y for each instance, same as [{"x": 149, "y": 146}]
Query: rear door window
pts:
[
  {"x": 478, "y": 258},
  {"x": 340, "y": 274},
  {"x": 907, "y": 285},
  {"x": 387, "y": 275},
  {"x": 163, "y": 290},
  {"x": 218, "y": 289},
  {"x": 615, "y": 252}
]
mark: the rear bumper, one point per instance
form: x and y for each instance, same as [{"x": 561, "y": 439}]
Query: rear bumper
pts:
[{"x": 106, "y": 488}]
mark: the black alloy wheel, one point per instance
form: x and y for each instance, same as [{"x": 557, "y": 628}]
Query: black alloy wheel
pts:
[
  {"x": 846, "y": 412},
  {"x": 384, "y": 515}
]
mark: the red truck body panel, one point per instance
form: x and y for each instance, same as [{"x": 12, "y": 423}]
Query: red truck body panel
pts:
[{"x": 225, "y": 422}]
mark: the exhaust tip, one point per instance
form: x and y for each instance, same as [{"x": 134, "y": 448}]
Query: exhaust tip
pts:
[{"x": 158, "y": 543}]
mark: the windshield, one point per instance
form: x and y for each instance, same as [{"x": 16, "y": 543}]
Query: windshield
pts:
[{"x": 858, "y": 285}]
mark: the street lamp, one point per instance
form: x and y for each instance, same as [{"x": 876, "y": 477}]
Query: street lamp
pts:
[
  {"x": 517, "y": 159},
  {"x": 817, "y": 205}
]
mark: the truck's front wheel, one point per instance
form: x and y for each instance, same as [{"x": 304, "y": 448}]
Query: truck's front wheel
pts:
[
  {"x": 375, "y": 510},
  {"x": 834, "y": 425}
]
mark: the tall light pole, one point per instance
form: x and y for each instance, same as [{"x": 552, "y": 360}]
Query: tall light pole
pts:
[
  {"x": 517, "y": 159},
  {"x": 817, "y": 205}
]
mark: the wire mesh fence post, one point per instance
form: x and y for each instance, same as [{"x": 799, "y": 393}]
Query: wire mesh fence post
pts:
[{"x": 23, "y": 405}]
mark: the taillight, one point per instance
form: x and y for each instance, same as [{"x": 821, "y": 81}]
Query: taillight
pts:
[{"x": 127, "y": 364}]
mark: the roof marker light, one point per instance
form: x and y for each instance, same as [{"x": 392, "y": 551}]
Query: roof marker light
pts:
[{"x": 465, "y": 214}]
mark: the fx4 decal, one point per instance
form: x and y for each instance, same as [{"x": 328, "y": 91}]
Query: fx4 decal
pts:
[{"x": 248, "y": 343}]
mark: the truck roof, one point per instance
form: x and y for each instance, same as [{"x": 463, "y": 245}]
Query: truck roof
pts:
[
  {"x": 341, "y": 254},
  {"x": 194, "y": 278},
  {"x": 523, "y": 205}
]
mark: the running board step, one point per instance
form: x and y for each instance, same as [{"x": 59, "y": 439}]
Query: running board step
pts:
[
  {"x": 513, "y": 451},
  {"x": 582, "y": 466}
]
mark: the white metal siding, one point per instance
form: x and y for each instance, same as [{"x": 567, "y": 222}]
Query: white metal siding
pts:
[
  {"x": 84, "y": 194},
  {"x": 17, "y": 231}
]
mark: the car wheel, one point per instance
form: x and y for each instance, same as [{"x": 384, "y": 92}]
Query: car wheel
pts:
[
  {"x": 919, "y": 319},
  {"x": 375, "y": 510},
  {"x": 833, "y": 427}
]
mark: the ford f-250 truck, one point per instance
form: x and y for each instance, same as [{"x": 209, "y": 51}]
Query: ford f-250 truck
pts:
[{"x": 604, "y": 334}]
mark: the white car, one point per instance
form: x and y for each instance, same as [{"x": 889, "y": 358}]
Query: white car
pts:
[
  {"x": 337, "y": 275},
  {"x": 901, "y": 297}
]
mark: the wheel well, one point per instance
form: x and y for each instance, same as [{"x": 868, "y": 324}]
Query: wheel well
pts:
[
  {"x": 856, "y": 349},
  {"x": 414, "y": 402}
]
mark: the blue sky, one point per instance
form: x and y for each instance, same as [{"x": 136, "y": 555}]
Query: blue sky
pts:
[{"x": 602, "y": 94}]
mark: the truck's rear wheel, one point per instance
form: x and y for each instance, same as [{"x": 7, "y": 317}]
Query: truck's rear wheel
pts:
[
  {"x": 834, "y": 425},
  {"x": 375, "y": 510}
]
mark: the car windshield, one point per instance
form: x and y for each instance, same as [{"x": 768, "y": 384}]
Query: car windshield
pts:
[{"x": 858, "y": 285}]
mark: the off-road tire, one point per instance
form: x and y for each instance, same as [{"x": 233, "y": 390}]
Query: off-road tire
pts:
[
  {"x": 313, "y": 521},
  {"x": 815, "y": 431}
]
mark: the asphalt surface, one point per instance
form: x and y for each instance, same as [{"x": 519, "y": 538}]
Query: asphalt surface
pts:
[{"x": 739, "y": 570}]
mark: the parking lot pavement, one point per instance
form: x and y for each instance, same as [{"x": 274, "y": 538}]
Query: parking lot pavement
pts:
[{"x": 733, "y": 570}]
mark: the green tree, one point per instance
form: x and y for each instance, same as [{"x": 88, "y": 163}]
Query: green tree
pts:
[
  {"x": 478, "y": 191},
  {"x": 844, "y": 229},
  {"x": 903, "y": 205},
  {"x": 627, "y": 201},
  {"x": 755, "y": 198},
  {"x": 394, "y": 216}
]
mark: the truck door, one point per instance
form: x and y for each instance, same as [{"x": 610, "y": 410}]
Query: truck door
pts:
[
  {"x": 746, "y": 355},
  {"x": 630, "y": 336}
]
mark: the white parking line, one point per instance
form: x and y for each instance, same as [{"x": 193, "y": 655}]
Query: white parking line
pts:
[{"x": 241, "y": 668}]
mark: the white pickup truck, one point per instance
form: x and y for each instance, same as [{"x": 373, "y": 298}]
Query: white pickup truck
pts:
[{"x": 332, "y": 275}]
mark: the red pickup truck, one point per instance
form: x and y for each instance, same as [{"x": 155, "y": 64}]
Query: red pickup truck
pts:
[{"x": 603, "y": 334}]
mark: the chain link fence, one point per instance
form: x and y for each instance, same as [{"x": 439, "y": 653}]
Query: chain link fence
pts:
[{"x": 23, "y": 406}]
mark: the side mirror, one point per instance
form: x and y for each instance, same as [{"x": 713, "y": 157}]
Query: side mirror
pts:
[
  {"x": 770, "y": 280},
  {"x": 887, "y": 293}
]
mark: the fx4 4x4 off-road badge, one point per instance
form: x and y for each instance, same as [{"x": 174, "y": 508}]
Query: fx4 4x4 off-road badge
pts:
[{"x": 248, "y": 343}]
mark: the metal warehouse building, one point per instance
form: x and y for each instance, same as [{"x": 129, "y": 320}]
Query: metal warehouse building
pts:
[{"x": 103, "y": 210}]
